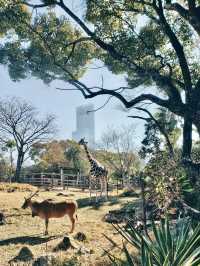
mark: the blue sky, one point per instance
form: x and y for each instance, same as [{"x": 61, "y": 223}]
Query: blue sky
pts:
[{"x": 63, "y": 104}]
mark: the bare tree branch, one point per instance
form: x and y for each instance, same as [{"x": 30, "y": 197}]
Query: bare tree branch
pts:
[
  {"x": 176, "y": 45},
  {"x": 35, "y": 6},
  {"x": 19, "y": 120}
]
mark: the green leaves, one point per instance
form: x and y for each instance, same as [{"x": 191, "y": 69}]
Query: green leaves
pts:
[
  {"x": 46, "y": 46},
  {"x": 132, "y": 28}
]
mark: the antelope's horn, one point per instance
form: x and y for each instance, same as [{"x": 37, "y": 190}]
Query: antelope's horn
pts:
[{"x": 34, "y": 194}]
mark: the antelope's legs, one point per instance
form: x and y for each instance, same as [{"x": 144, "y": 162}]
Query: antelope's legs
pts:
[
  {"x": 46, "y": 226},
  {"x": 73, "y": 223}
]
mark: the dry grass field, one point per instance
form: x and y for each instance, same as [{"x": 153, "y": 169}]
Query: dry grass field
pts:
[{"x": 23, "y": 230}]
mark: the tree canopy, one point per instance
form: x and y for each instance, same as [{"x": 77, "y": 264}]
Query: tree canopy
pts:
[
  {"x": 153, "y": 42},
  {"x": 41, "y": 46}
]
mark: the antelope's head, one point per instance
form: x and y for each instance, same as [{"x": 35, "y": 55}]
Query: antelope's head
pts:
[
  {"x": 28, "y": 200},
  {"x": 82, "y": 141}
]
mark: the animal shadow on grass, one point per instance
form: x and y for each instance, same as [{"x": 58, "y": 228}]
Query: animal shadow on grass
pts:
[
  {"x": 30, "y": 240},
  {"x": 87, "y": 202}
]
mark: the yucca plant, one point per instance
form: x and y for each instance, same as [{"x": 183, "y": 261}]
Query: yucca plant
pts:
[{"x": 168, "y": 246}]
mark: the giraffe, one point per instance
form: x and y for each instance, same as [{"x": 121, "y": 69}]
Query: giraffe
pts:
[{"x": 97, "y": 173}]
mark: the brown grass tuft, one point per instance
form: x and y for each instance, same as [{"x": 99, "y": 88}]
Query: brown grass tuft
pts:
[{"x": 12, "y": 187}]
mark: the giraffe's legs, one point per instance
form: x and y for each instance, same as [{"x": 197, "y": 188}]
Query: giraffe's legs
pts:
[
  {"x": 90, "y": 189},
  {"x": 106, "y": 188},
  {"x": 96, "y": 194},
  {"x": 101, "y": 183},
  {"x": 93, "y": 189},
  {"x": 96, "y": 189}
]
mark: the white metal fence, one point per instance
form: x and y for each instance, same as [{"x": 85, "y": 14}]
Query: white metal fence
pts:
[{"x": 56, "y": 180}]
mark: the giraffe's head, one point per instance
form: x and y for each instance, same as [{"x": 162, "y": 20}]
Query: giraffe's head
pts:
[{"x": 82, "y": 141}]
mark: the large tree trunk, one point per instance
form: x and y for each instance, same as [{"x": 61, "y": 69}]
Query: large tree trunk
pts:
[
  {"x": 197, "y": 125},
  {"x": 187, "y": 137},
  {"x": 192, "y": 167},
  {"x": 20, "y": 160}
]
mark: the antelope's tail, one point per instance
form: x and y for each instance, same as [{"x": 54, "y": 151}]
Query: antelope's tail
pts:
[{"x": 76, "y": 217}]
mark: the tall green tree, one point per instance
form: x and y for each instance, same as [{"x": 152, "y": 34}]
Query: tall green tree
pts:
[
  {"x": 73, "y": 155},
  {"x": 153, "y": 42},
  {"x": 54, "y": 154}
]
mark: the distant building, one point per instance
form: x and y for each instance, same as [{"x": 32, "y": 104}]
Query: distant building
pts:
[{"x": 85, "y": 124}]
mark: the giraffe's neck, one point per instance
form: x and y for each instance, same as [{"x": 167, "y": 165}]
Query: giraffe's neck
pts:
[{"x": 89, "y": 156}]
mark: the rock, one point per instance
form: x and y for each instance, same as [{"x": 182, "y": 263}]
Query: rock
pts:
[
  {"x": 65, "y": 244},
  {"x": 80, "y": 236},
  {"x": 64, "y": 195},
  {"x": 60, "y": 194},
  {"x": 139, "y": 226},
  {"x": 44, "y": 261},
  {"x": 10, "y": 190},
  {"x": 25, "y": 254},
  {"x": 119, "y": 216},
  {"x": 84, "y": 251},
  {"x": 50, "y": 199},
  {"x": 2, "y": 219}
]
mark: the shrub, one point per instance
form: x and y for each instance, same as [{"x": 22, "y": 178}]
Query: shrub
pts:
[{"x": 169, "y": 246}]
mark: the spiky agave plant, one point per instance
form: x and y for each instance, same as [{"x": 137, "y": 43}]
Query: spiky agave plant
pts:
[{"x": 169, "y": 246}]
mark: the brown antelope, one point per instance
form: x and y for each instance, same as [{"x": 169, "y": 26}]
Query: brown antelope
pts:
[{"x": 49, "y": 209}]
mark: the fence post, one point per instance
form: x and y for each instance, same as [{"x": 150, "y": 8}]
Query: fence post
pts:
[
  {"x": 62, "y": 179},
  {"x": 41, "y": 179},
  {"x": 52, "y": 181},
  {"x": 67, "y": 182},
  {"x": 77, "y": 179}
]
